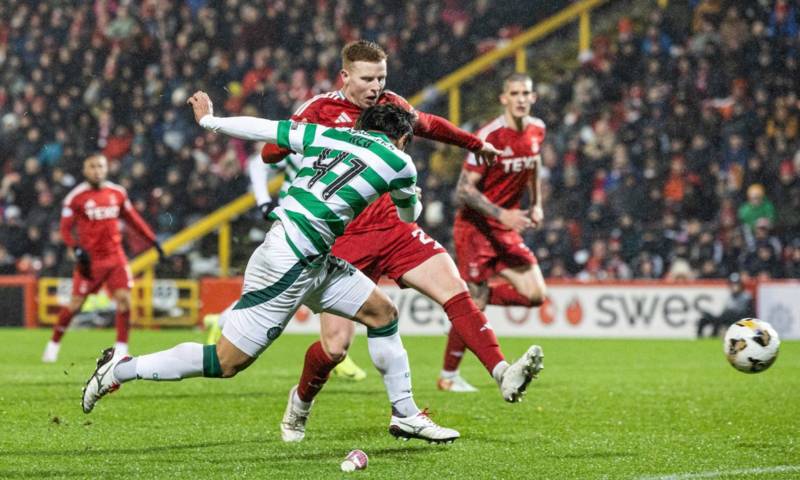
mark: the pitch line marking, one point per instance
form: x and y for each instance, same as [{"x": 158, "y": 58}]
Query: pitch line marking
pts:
[{"x": 720, "y": 473}]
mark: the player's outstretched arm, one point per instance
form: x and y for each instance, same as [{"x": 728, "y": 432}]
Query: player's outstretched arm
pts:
[
  {"x": 468, "y": 194},
  {"x": 434, "y": 127},
  {"x": 245, "y": 128}
]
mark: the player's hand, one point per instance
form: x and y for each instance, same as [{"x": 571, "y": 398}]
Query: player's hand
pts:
[
  {"x": 537, "y": 216},
  {"x": 83, "y": 261},
  {"x": 515, "y": 219},
  {"x": 160, "y": 250},
  {"x": 487, "y": 154},
  {"x": 419, "y": 193},
  {"x": 267, "y": 208},
  {"x": 201, "y": 104}
]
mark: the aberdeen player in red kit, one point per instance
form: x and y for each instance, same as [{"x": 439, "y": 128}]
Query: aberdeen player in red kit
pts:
[
  {"x": 488, "y": 225},
  {"x": 378, "y": 244},
  {"x": 96, "y": 206}
]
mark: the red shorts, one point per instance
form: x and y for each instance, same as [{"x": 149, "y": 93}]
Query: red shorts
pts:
[
  {"x": 481, "y": 255},
  {"x": 391, "y": 252},
  {"x": 115, "y": 277}
]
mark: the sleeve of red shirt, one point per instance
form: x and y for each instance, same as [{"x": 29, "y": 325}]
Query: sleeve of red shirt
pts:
[
  {"x": 65, "y": 226},
  {"x": 271, "y": 153},
  {"x": 134, "y": 220},
  {"x": 439, "y": 129}
]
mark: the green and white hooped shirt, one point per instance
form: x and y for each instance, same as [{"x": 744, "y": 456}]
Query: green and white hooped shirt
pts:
[{"x": 341, "y": 172}]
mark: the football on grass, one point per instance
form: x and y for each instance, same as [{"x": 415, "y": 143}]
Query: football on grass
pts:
[{"x": 751, "y": 345}]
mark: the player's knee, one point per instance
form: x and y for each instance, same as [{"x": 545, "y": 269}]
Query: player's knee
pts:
[
  {"x": 123, "y": 304},
  {"x": 385, "y": 315},
  {"x": 337, "y": 355},
  {"x": 458, "y": 286},
  {"x": 76, "y": 303},
  {"x": 336, "y": 347},
  {"x": 537, "y": 295}
]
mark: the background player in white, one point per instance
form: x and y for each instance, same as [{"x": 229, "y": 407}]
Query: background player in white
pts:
[{"x": 343, "y": 171}]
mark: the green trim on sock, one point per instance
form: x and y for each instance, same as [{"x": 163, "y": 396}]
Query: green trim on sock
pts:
[
  {"x": 211, "y": 366},
  {"x": 386, "y": 331}
]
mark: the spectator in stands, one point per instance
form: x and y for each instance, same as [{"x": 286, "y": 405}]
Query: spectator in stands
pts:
[
  {"x": 756, "y": 207},
  {"x": 661, "y": 119},
  {"x": 739, "y": 305}
]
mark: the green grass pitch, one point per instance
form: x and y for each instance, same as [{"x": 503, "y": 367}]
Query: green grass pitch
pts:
[{"x": 602, "y": 409}]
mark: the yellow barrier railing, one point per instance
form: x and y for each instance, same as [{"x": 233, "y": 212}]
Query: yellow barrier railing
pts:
[
  {"x": 452, "y": 83},
  {"x": 220, "y": 220},
  {"x": 187, "y": 293}
]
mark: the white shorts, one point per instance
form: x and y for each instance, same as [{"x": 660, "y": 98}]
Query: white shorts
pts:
[{"x": 276, "y": 283}]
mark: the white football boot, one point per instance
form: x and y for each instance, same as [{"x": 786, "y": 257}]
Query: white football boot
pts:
[
  {"x": 293, "y": 425},
  {"x": 422, "y": 427},
  {"x": 520, "y": 373},
  {"x": 102, "y": 380},
  {"x": 50, "y": 354},
  {"x": 455, "y": 383}
]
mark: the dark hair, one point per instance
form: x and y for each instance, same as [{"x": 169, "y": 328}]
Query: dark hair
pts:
[{"x": 390, "y": 119}]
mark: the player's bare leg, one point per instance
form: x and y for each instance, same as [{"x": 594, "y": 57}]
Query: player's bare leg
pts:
[
  {"x": 122, "y": 320},
  {"x": 438, "y": 278},
  {"x": 65, "y": 316},
  {"x": 526, "y": 287},
  {"x": 336, "y": 335}
]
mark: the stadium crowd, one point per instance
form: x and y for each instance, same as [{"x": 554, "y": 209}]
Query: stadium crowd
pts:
[{"x": 672, "y": 152}]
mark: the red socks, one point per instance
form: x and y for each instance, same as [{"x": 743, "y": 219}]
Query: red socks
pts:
[
  {"x": 470, "y": 328},
  {"x": 454, "y": 351},
  {"x": 316, "y": 370},
  {"x": 64, "y": 317},
  {"x": 506, "y": 294},
  {"x": 123, "y": 323}
]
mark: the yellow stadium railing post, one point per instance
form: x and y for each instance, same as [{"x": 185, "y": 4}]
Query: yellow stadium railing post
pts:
[
  {"x": 585, "y": 32},
  {"x": 455, "y": 105},
  {"x": 147, "y": 296},
  {"x": 224, "y": 247},
  {"x": 521, "y": 60}
]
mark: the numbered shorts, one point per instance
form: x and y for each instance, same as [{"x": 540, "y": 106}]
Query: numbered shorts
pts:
[
  {"x": 391, "y": 252},
  {"x": 114, "y": 276},
  {"x": 482, "y": 254},
  {"x": 276, "y": 283}
]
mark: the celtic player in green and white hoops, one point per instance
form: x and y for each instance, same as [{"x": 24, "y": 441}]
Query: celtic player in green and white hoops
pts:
[{"x": 342, "y": 171}]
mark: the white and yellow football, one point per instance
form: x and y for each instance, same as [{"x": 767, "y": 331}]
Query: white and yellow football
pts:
[{"x": 751, "y": 345}]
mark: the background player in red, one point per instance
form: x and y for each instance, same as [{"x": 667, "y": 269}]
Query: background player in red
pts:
[
  {"x": 96, "y": 206},
  {"x": 378, "y": 245},
  {"x": 488, "y": 225}
]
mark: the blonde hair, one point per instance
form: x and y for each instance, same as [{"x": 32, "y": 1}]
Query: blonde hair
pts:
[
  {"x": 516, "y": 77},
  {"x": 362, "y": 51}
]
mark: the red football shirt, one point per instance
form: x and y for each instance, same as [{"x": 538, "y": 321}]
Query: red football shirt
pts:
[
  {"x": 504, "y": 182},
  {"x": 333, "y": 109},
  {"x": 97, "y": 212}
]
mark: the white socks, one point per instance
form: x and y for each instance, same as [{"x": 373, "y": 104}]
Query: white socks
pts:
[
  {"x": 498, "y": 371},
  {"x": 181, "y": 361},
  {"x": 120, "y": 349},
  {"x": 391, "y": 360}
]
